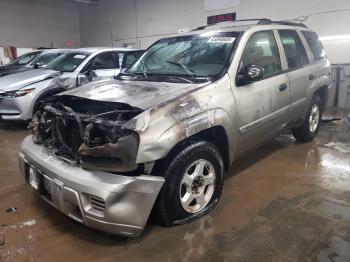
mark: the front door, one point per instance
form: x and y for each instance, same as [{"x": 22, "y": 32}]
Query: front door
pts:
[
  {"x": 101, "y": 66},
  {"x": 262, "y": 106}
]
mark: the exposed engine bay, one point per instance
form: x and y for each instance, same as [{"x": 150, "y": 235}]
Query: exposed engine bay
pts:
[{"x": 88, "y": 133}]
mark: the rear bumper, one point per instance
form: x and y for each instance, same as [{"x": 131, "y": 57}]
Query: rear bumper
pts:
[{"x": 108, "y": 202}]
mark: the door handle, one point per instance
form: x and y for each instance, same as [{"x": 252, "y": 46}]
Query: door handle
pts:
[
  {"x": 283, "y": 87},
  {"x": 312, "y": 76}
]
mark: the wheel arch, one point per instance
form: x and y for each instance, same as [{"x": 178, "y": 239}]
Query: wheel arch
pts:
[
  {"x": 216, "y": 135},
  {"x": 322, "y": 92},
  {"x": 45, "y": 94}
]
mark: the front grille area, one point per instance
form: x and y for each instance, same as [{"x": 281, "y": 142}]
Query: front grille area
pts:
[
  {"x": 65, "y": 124},
  {"x": 97, "y": 203}
]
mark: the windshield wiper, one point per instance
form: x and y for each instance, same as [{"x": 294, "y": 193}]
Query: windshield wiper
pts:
[
  {"x": 189, "y": 71},
  {"x": 183, "y": 79}
]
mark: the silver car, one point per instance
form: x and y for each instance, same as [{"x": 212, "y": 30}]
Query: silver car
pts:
[
  {"x": 20, "y": 94},
  {"x": 33, "y": 60},
  {"x": 161, "y": 136}
]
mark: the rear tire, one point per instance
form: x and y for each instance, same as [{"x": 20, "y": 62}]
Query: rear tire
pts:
[
  {"x": 193, "y": 183},
  {"x": 309, "y": 130}
]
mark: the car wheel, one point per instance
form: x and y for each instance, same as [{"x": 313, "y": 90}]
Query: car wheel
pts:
[
  {"x": 193, "y": 183},
  {"x": 309, "y": 130}
]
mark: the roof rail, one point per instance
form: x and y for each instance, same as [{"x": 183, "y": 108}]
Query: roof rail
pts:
[
  {"x": 260, "y": 21},
  {"x": 268, "y": 22}
]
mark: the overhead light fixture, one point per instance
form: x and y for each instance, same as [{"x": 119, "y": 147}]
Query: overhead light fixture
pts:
[
  {"x": 334, "y": 37},
  {"x": 89, "y": 2}
]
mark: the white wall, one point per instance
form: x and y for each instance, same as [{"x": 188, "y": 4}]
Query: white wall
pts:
[
  {"x": 36, "y": 23},
  {"x": 115, "y": 22}
]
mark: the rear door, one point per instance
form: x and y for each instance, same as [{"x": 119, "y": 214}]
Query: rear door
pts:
[
  {"x": 318, "y": 53},
  {"x": 301, "y": 73},
  {"x": 262, "y": 106}
]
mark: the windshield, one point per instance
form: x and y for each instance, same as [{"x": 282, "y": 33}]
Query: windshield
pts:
[
  {"x": 203, "y": 55},
  {"x": 45, "y": 59},
  {"x": 67, "y": 62},
  {"x": 25, "y": 59}
]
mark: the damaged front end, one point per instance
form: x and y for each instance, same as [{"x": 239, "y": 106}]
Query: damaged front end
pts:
[{"x": 88, "y": 133}]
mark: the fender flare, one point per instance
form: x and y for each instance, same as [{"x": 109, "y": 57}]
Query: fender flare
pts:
[{"x": 158, "y": 148}]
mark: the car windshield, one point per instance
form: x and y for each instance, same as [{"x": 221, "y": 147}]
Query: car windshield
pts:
[
  {"x": 67, "y": 62},
  {"x": 24, "y": 59},
  {"x": 204, "y": 55},
  {"x": 45, "y": 59}
]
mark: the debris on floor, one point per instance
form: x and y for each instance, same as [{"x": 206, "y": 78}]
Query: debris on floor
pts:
[
  {"x": 2, "y": 240},
  {"x": 28, "y": 223},
  {"x": 329, "y": 119},
  {"x": 11, "y": 210}
]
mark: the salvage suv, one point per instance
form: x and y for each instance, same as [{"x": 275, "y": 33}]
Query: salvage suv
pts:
[{"x": 160, "y": 136}]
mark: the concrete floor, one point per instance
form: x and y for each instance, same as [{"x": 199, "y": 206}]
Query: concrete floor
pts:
[{"x": 283, "y": 202}]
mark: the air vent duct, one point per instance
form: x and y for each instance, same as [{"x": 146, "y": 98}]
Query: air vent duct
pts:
[
  {"x": 87, "y": 2},
  {"x": 97, "y": 203}
]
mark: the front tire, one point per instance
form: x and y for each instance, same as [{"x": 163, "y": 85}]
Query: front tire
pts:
[
  {"x": 193, "y": 183},
  {"x": 309, "y": 130}
]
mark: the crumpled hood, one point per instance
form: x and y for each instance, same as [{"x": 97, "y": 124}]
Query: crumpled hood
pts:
[
  {"x": 138, "y": 94},
  {"x": 20, "y": 80}
]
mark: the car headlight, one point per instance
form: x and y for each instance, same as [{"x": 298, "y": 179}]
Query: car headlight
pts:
[
  {"x": 17, "y": 93},
  {"x": 109, "y": 148},
  {"x": 23, "y": 92}
]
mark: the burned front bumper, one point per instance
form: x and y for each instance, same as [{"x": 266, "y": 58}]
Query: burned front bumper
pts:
[{"x": 108, "y": 202}]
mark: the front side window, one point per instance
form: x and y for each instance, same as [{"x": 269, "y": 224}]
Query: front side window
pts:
[
  {"x": 314, "y": 44},
  {"x": 293, "y": 48},
  {"x": 25, "y": 59},
  {"x": 204, "y": 55},
  {"x": 104, "y": 61},
  {"x": 262, "y": 50},
  {"x": 67, "y": 62}
]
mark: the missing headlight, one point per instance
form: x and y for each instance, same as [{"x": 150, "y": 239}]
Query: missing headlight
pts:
[{"x": 88, "y": 132}]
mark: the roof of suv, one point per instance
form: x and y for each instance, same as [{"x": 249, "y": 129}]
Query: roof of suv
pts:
[{"x": 245, "y": 24}]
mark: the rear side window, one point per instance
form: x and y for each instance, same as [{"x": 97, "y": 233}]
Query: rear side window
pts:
[
  {"x": 293, "y": 48},
  {"x": 262, "y": 50},
  {"x": 314, "y": 44}
]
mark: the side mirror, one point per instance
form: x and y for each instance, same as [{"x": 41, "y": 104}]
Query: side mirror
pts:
[
  {"x": 250, "y": 74},
  {"x": 37, "y": 65},
  {"x": 90, "y": 75}
]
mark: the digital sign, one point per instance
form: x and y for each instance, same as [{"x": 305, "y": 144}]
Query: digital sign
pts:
[{"x": 214, "y": 19}]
